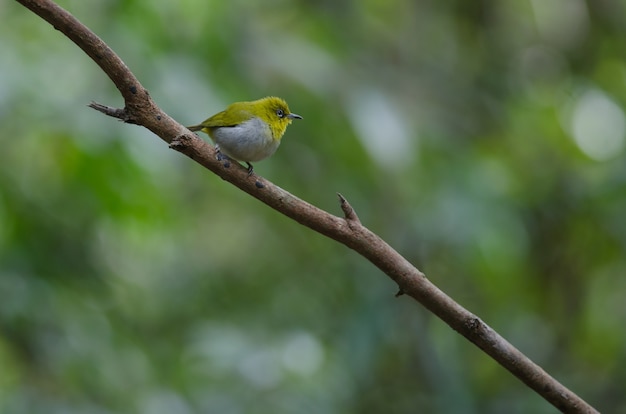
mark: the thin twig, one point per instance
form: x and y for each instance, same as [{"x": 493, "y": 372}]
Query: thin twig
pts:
[{"x": 121, "y": 114}]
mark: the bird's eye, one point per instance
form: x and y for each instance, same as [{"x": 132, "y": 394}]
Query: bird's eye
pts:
[{"x": 280, "y": 113}]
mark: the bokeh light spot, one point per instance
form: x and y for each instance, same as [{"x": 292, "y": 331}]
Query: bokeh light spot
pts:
[{"x": 598, "y": 126}]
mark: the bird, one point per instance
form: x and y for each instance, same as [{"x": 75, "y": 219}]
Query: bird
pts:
[{"x": 248, "y": 131}]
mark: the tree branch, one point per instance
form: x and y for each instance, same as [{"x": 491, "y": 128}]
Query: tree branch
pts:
[{"x": 140, "y": 109}]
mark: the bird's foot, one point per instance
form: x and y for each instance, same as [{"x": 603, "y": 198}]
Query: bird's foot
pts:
[
  {"x": 250, "y": 169},
  {"x": 222, "y": 157}
]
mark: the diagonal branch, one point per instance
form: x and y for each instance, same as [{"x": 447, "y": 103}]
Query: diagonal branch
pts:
[{"x": 140, "y": 109}]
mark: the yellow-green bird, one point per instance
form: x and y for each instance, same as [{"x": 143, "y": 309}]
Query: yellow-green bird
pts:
[{"x": 249, "y": 131}]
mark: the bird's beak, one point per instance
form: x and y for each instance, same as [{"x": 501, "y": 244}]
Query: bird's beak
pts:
[{"x": 294, "y": 116}]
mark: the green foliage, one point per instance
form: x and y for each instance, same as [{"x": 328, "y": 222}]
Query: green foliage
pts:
[{"x": 483, "y": 140}]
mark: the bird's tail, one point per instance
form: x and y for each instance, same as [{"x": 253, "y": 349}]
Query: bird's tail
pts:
[{"x": 195, "y": 127}]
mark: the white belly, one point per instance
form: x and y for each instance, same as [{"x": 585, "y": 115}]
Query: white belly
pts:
[{"x": 250, "y": 141}]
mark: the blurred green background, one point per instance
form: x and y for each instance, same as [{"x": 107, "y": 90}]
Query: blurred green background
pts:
[{"x": 484, "y": 140}]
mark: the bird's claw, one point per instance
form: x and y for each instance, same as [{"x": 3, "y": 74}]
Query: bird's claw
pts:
[
  {"x": 250, "y": 169},
  {"x": 221, "y": 157}
]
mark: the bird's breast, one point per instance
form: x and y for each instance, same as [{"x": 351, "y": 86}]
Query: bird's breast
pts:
[{"x": 249, "y": 141}]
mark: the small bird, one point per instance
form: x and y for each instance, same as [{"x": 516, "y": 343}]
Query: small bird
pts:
[{"x": 248, "y": 131}]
